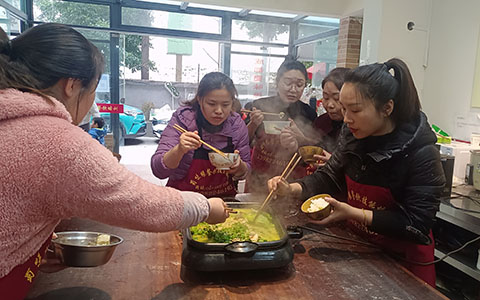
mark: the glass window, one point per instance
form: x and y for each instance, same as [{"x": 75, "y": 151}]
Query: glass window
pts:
[
  {"x": 9, "y": 23},
  {"x": 177, "y": 63},
  {"x": 15, "y": 3},
  {"x": 175, "y": 60},
  {"x": 164, "y": 2},
  {"x": 322, "y": 19},
  {"x": 71, "y": 13},
  {"x": 272, "y": 14},
  {"x": 254, "y": 76},
  {"x": 259, "y": 49},
  {"x": 315, "y": 25},
  {"x": 260, "y": 32},
  {"x": 170, "y": 20},
  {"x": 322, "y": 55},
  {"x": 216, "y": 7}
]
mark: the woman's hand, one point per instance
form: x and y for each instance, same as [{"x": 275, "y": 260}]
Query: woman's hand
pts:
[
  {"x": 239, "y": 168},
  {"x": 256, "y": 117},
  {"x": 218, "y": 211},
  {"x": 50, "y": 263},
  {"x": 189, "y": 141},
  {"x": 295, "y": 130},
  {"x": 288, "y": 139},
  {"x": 302, "y": 139},
  {"x": 322, "y": 158},
  {"x": 343, "y": 211},
  {"x": 279, "y": 185}
]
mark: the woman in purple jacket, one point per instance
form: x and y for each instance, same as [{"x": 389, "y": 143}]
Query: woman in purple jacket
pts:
[{"x": 209, "y": 116}]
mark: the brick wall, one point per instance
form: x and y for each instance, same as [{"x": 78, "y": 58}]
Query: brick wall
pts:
[{"x": 349, "y": 37}]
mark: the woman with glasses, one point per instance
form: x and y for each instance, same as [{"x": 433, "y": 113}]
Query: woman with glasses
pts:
[
  {"x": 386, "y": 171},
  {"x": 272, "y": 150}
]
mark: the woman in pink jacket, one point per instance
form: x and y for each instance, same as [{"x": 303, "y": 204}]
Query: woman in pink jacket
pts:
[{"x": 52, "y": 169}]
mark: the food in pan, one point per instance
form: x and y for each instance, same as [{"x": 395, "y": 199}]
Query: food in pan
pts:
[{"x": 238, "y": 227}]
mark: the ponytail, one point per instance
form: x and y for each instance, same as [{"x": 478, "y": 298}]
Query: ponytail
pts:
[
  {"x": 13, "y": 74},
  {"x": 38, "y": 58},
  {"x": 407, "y": 102},
  {"x": 375, "y": 82}
]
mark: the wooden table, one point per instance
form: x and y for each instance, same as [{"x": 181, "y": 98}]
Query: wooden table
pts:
[{"x": 147, "y": 266}]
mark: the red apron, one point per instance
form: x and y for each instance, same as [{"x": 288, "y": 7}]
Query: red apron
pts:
[
  {"x": 380, "y": 198},
  {"x": 204, "y": 178},
  {"x": 267, "y": 162},
  {"x": 16, "y": 284}
]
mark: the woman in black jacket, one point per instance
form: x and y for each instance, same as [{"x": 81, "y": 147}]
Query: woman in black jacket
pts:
[{"x": 386, "y": 164}]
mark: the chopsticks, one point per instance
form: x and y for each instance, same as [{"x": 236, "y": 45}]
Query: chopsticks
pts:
[
  {"x": 286, "y": 172},
  {"x": 182, "y": 130},
  {"x": 231, "y": 211},
  {"x": 280, "y": 114}
]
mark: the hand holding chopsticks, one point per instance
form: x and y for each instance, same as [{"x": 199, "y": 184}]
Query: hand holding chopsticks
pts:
[
  {"x": 286, "y": 172},
  {"x": 280, "y": 114},
  {"x": 182, "y": 130}
]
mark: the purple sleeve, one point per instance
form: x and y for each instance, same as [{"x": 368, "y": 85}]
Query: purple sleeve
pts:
[
  {"x": 169, "y": 139},
  {"x": 243, "y": 143}
]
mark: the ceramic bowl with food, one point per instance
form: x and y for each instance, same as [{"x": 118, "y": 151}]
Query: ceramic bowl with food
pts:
[
  {"x": 316, "y": 207},
  {"x": 307, "y": 153},
  {"x": 85, "y": 248},
  {"x": 275, "y": 127},
  {"x": 223, "y": 163}
]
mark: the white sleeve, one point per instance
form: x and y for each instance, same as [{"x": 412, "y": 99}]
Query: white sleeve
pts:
[
  {"x": 94, "y": 110},
  {"x": 196, "y": 209}
]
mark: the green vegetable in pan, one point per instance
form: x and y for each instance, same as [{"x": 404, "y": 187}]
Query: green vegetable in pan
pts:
[{"x": 238, "y": 227}]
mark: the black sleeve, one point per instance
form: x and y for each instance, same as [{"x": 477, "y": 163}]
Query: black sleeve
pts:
[
  {"x": 328, "y": 179},
  {"x": 309, "y": 112},
  {"x": 420, "y": 201}
]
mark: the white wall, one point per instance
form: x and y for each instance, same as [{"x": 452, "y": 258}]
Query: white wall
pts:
[
  {"x": 440, "y": 53},
  {"x": 446, "y": 30},
  {"x": 449, "y": 76},
  {"x": 385, "y": 34}
]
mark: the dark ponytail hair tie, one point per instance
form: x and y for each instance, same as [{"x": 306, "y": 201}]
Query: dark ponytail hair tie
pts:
[
  {"x": 7, "y": 48},
  {"x": 388, "y": 66}
]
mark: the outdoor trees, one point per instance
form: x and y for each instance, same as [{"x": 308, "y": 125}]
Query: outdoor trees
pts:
[{"x": 136, "y": 47}]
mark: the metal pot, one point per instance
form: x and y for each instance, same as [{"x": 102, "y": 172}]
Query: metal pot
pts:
[
  {"x": 243, "y": 255},
  {"x": 79, "y": 248}
]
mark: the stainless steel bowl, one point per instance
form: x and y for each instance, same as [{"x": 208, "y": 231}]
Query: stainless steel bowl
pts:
[{"x": 80, "y": 248}]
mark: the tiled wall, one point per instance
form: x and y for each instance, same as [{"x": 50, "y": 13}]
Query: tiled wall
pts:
[{"x": 349, "y": 37}]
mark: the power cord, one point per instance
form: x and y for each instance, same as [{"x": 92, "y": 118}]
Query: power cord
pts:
[
  {"x": 390, "y": 252},
  {"x": 337, "y": 237},
  {"x": 474, "y": 200},
  {"x": 449, "y": 202}
]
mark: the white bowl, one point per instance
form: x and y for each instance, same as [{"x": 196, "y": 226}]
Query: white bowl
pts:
[
  {"x": 221, "y": 162},
  {"x": 275, "y": 127}
]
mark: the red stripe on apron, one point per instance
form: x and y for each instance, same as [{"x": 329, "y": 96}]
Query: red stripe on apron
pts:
[
  {"x": 380, "y": 198},
  {"x": 17, "y": 283}
]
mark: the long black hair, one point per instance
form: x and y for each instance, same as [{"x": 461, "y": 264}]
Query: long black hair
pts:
[
  {"x": 375, "y": 82},
  {"x": 38, "y": 58}
]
